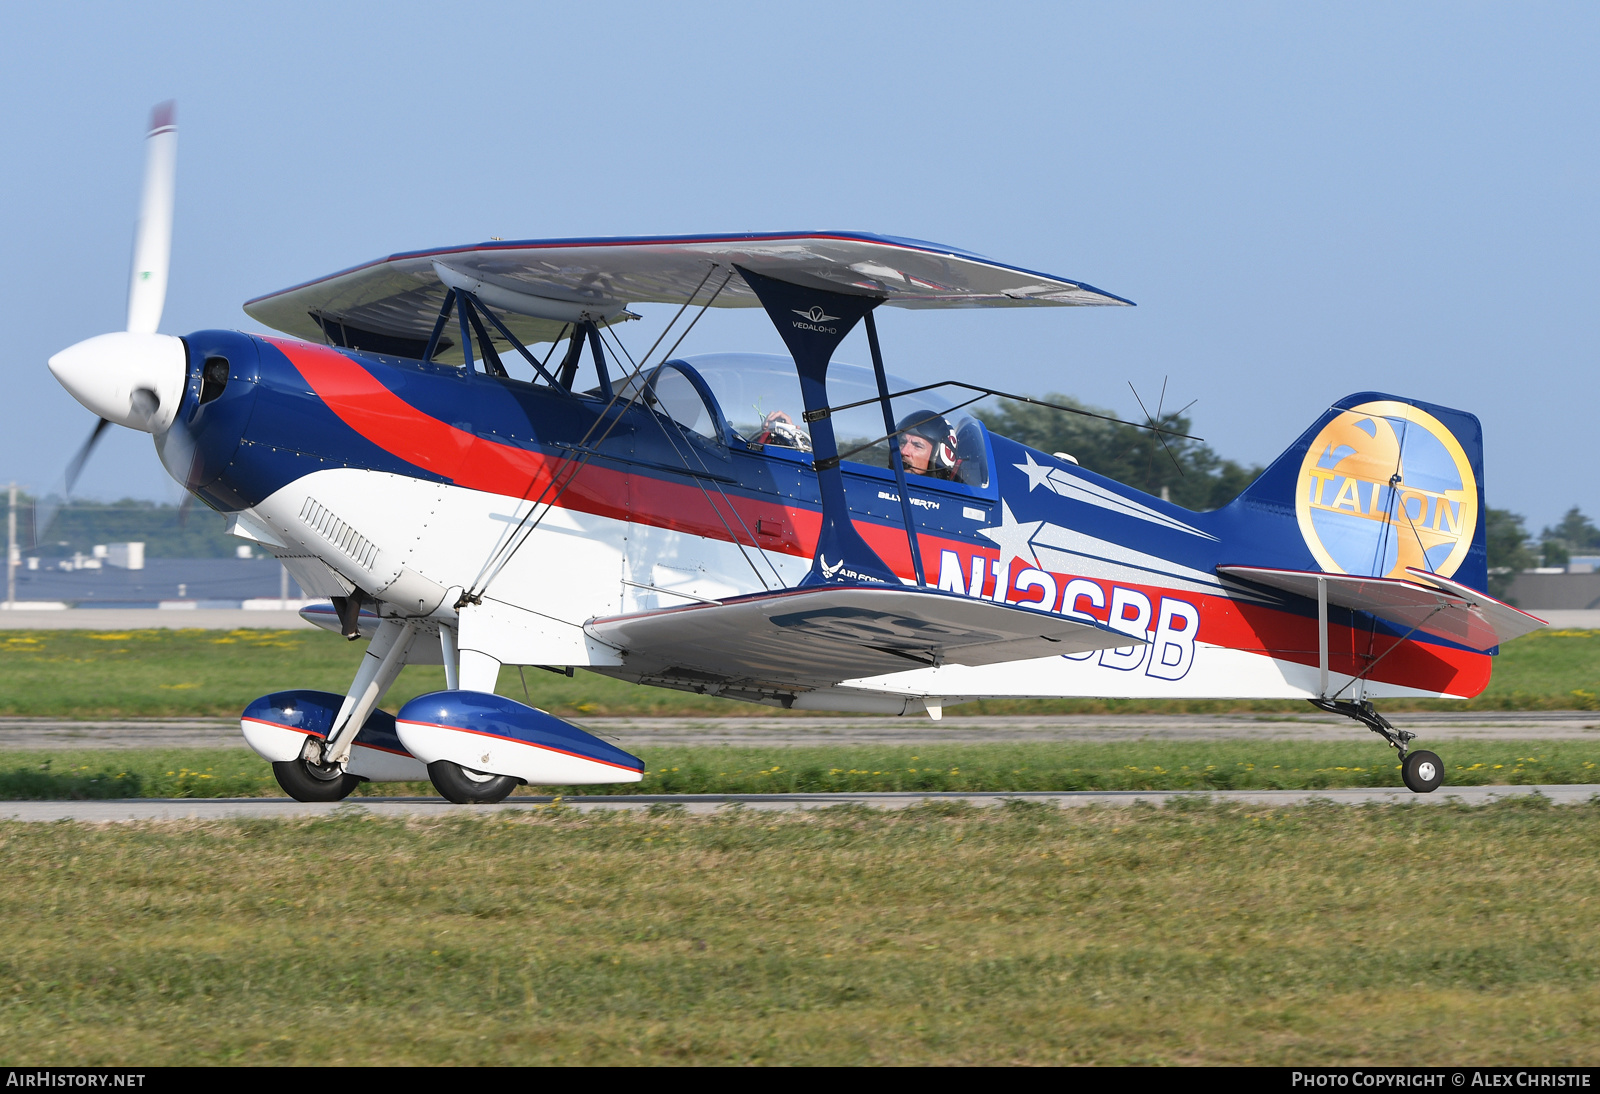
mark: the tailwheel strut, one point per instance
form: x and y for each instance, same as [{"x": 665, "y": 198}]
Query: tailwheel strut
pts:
[
  {"x": 1364, "y": 713},
  {"x": 1421, "y": 771}
]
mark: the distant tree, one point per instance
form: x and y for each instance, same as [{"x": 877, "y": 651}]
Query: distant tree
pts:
[
  {"x": 1574, "y": 534},
  {"x": 1509, "y": 553},
  {"x": 165, "y": 532},
  {"x": 1194, "y": 475}
]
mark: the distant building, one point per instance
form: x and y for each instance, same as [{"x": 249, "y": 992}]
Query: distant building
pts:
[
  {"x": 1551, "y": 589},
  {"x": 126, "y": 579},
  {"x": 124, "y": 556}
]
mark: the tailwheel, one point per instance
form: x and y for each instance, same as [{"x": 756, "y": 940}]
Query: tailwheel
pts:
[
  {"x": 465, "y": 786},
  {"x": 1422, "y": 772},
  {"x": 307, "y": 782}
]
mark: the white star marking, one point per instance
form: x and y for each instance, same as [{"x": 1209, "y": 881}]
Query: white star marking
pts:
[
  {"x": 1013, "y": 538},
  {"x": 1037, "y": 475}
]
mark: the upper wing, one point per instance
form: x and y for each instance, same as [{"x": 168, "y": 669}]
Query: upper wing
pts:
[
  {"x": 1430, "y": 604},
  {"x": 399, "y": 297},
  {"x": 799, "y": 639}
]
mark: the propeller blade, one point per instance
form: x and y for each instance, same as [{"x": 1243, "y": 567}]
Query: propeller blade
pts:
[
  {"x": 45, "y": 510},
  {"x": 75, "y": 468},
  {"x": 152, "y": 241}
]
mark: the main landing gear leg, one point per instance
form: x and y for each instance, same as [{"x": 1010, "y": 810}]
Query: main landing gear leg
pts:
[
  {"x": 1421, "y": 771},
  {"x": 319, "y": 774}
]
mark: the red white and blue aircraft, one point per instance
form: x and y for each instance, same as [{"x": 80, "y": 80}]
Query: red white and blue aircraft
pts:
[{"x": 755, "y": 526}]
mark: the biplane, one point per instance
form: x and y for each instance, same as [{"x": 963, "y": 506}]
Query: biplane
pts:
[{"x": 456, "y": 448}]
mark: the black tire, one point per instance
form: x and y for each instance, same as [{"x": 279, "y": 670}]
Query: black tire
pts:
[
  {"x": 301, "y": 785},
  {"x": 467, "y": 787},
  {"x": 1422, "y": 772}
]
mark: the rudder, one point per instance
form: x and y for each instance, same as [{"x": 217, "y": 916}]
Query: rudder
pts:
[{"x": 1377, "y": 485}]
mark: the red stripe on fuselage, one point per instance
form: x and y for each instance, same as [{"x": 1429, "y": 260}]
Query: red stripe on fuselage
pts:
[{"x": 388, "y": 421}]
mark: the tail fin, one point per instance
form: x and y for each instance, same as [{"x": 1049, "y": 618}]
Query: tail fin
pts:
[{"x": 1377, "y": 485}]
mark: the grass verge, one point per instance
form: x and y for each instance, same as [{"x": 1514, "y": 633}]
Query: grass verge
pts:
[
  {"x": 1119, "y": 765},
  {"x": 177, "y": 673},
  {"x": 939, "y": 935}
]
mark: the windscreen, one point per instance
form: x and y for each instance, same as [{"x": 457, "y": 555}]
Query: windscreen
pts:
[{"x": 760, "y": 395}]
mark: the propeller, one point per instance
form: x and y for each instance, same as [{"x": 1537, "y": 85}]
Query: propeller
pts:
[
  {"x": 134, "y": 377},
  {"x": 152, "y": 240}
]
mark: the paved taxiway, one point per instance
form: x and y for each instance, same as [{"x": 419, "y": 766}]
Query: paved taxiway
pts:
[
  {"x": 124, "y": 619},
  {"x": 177, "y": 809},
  {"x": 794, "y": 731}
]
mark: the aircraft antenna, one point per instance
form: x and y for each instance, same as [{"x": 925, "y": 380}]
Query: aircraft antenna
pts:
[{"x": 1158, "y": 432}]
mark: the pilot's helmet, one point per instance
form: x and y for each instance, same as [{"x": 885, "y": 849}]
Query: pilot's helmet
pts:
[{"x": 936, "y": 431}]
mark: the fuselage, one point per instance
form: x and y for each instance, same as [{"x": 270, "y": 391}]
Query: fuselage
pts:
[{"x": 414, "y": 482}]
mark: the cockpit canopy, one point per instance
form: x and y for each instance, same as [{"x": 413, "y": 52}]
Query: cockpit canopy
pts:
[{"x": 759, "y": 394}]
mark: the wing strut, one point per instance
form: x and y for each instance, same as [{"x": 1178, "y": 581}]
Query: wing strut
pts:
[
  {"x": 1322, "y": 636},
  {"x": 516, "y": 343},
  {"x": 491, "y": 357},
  {"x": 470, "y": 313},
  {"x": 438, "y": 325},
  {"x": 460, "y": 301},
  {"x": 812, "y": 323},
  {"x": 585, "y": 333}
]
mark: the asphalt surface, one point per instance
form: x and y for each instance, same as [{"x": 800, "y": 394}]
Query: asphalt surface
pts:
[
  {"x": 33, "y": 733},
  {"x": 178, "y": 809},
  {"x": 133, "y": 619}
]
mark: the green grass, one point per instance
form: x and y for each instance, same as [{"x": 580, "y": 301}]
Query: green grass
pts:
[
  {"x": 191, "y": 673},
  {"x": 188, "y": 673},
  {"x": 1200, "y": 935},
  {"x": 1120, "y": 765}
]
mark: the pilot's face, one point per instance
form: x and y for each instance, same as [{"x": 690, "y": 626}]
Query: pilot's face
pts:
[{"x": 915, "y": 452}]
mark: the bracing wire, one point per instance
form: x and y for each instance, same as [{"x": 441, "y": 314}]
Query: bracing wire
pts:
[
  {"x": 1020, "y": 399},
  {"x": 889, "y": 436},
  {"x": 720, "y": 491},
  {"x": 501, "y": 555},
  {"x": 717, "y": 511},
  {"x": 530, "y": 522}
]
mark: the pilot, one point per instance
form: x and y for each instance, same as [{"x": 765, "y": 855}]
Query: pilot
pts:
[
  {"x": 778, "y": 429},
  {"x": 928, "y": 445}
]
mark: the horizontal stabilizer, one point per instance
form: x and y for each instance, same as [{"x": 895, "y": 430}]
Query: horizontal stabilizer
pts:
[
  {"x": 1427, "y": 603},
  {"x": 799, "y": 639}
]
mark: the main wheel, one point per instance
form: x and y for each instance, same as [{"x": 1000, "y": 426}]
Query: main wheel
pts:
[
  {"x": 1422, "y": 772},
  {"x": 465, "y": 786},
  {"x": 303, "y": 784}
]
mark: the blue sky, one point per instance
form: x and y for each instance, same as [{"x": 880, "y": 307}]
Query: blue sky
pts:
[{"x": 1304, "y": 200}]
